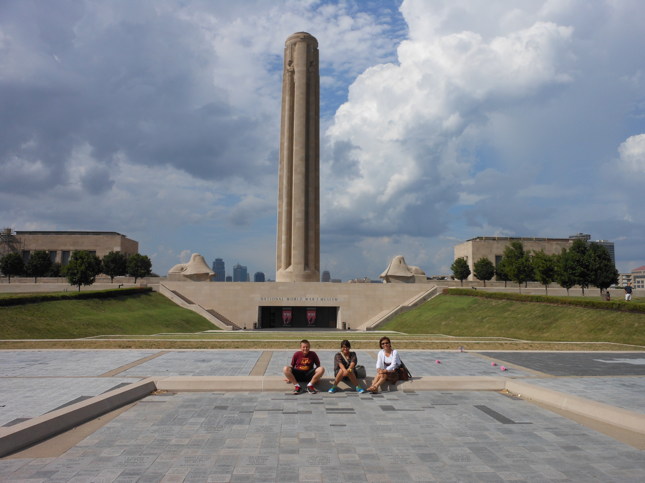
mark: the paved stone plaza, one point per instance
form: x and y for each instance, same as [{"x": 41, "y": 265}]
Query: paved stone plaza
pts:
[{"x": 400, "y": 435}]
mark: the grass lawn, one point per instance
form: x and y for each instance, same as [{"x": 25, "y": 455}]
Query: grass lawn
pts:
[
  {"x": 148, "y": 313},
  {"x": 478, "y": 317},
  {"x": 446, "y": 322}
]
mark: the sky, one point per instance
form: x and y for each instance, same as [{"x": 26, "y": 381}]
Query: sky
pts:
[{"x": 441, "y": 121}]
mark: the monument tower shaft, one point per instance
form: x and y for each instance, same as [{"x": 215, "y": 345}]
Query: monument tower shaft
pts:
[{"x": 298, "y": 236}]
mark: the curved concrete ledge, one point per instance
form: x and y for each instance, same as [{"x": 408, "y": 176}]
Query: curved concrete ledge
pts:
[
  {"x": 612, "y": 415},
  {"x": 38, "y": 429},
  {"x": 277, "y": 383}
]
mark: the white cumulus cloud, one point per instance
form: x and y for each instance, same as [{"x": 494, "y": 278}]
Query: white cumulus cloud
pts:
[
  {"x": 632, "y": 154},
  {"x": 409, "y": 126}
]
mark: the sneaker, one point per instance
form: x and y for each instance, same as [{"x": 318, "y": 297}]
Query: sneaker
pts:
[
  {"x": 332, "y": 389},
  {"x": 296, "y": 390},
  {"x": 311, "y": 390},
  {"x": 360, "y": 390}
]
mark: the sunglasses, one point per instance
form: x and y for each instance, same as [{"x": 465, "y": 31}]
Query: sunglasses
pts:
[{"x": 385, "y": 343}]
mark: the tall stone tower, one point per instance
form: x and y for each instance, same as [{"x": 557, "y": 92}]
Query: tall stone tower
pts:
[{"x": 298, "y": 240}]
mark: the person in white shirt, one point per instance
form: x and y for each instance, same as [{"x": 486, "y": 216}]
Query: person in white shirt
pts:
[{"x": 387, "y": 365}]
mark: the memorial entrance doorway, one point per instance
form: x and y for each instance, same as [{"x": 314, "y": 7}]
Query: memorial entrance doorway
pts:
[{"x": 292, "y": 317}]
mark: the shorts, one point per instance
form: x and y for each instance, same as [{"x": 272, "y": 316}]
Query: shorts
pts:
[{"x": 303, "y": 376}]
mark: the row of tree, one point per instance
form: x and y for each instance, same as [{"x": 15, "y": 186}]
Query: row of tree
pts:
[
  {"x": 82, "y": 269},
  {"x": 583, "y": 264}
]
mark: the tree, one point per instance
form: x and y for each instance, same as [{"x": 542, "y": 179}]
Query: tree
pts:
[
  {"x": 484, "y": 269},
  {"x": 603, "y": 273},
  {"x": 115, "y": 265},
  {"x": 544, "y": 267},
  {"x": 39, "y": 264},
  {"x": 460, "y": 270},
  {"x": 12, "y": 265},
  {"x": 580, "y": 263},
  {"x": 139, "y": 266},
  {"x": 564, "y": 270},
  {"x": 517, "y": 263},
  {"x": 55, "y": 270},
  {"x": 82, "y": 269},
  {"x": 501, "y": 273}
]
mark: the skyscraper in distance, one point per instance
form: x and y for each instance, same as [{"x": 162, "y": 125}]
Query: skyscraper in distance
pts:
[
  {"x": 220, "y": 270},
  {"x": 240, "y": 273},
  {"x": 259, "y": 277}
]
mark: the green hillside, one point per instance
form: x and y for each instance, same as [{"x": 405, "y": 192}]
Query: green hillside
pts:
[
  {"x": 147, "y": 313},
  {"x": 130, "y": 320},
  {"x": 480, "y": 317}
]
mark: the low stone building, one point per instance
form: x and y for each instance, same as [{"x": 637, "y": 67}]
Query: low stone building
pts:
[
  {"x": 636, "y": 277},
  {"x": 492, "y": 247},
  {"x": 61, "y": 244}
]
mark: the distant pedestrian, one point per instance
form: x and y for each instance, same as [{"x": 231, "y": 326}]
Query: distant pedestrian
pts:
[
  {"x": 628, "y": 292},
  {"x": 305, "y": 367},
  {"x": 607, "y": 295}
]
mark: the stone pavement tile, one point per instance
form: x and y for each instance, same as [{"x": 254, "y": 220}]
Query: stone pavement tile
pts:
[
  {"x": 577, "y": 363},
  {"x": 429, "y": 436},
  {"x": 198, "y": 363},
  {"x": 26, "y": 398},
  {"x": 218, "y": 478},
  {"x": 626, "y": 392},
  {"x": 424, "y": 363},
  {"x": 66, "y": 363}
]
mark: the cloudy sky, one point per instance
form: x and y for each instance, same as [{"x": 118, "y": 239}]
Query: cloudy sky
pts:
[{"x": 442, "y": 120}]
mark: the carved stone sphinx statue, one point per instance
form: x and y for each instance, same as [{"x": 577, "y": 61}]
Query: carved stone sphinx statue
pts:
[
  {"x": 196, "y": 270},
  {"x": 400, "y": 272}
]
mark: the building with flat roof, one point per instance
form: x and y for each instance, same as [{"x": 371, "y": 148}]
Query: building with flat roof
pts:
[
  {"x": 61, "y": 244},
  {"x": 492, "y": 247},
  {"x": 636, "y": 277}
]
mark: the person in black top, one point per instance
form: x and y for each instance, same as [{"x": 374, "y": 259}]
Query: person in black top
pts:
[
  {"x": 344, "y": 364},
  {"x": 628, "y": 292}
]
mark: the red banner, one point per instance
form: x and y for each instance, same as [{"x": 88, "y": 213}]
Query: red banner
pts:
[
  {"x": 311, "y": 317},
  {"x": 286, "y": 317}
]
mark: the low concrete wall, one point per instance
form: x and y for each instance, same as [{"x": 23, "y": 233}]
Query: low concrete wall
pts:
[
  {"x": 618, "y": 417},
  {"x": 163, "y": 290},
  {"x": 24, "y": 434}
]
